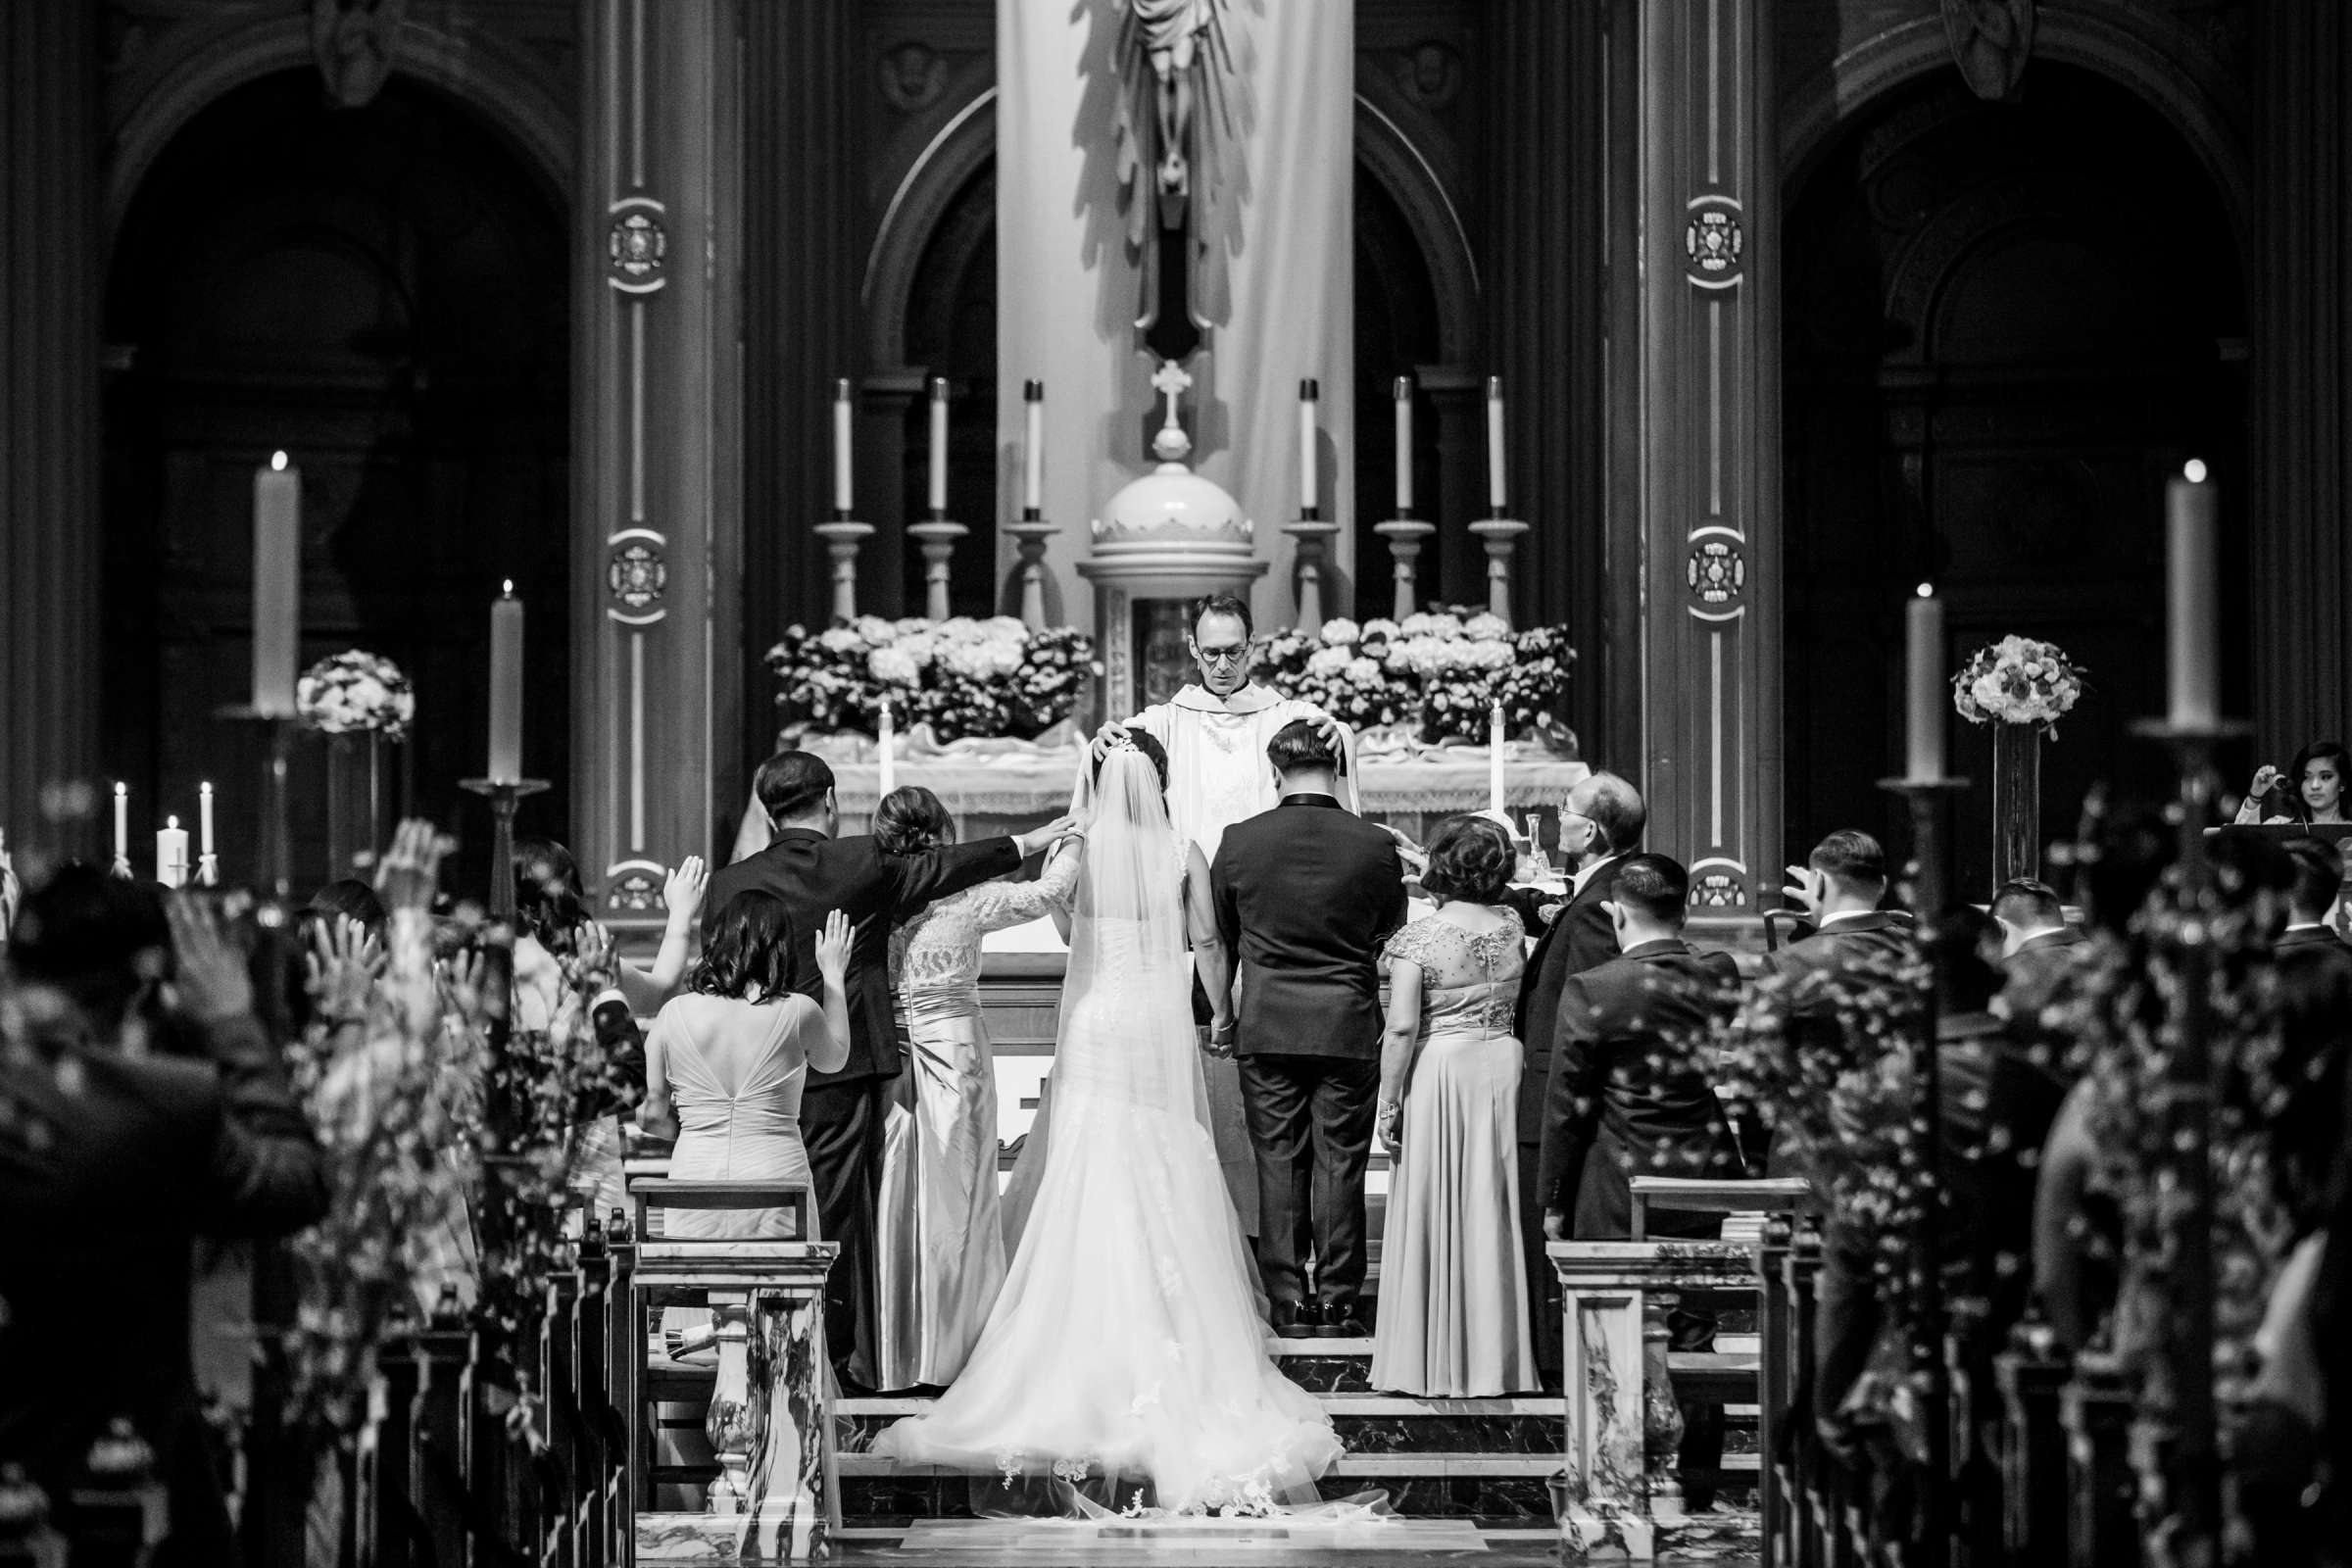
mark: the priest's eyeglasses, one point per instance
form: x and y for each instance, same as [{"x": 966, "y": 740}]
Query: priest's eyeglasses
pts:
[{"x": 1221, "y": 657}]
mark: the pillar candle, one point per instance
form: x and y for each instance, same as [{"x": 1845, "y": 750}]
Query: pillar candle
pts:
[
  {"x": 505, "y": 688},
  {"x": 939, "y": 444},
  {"x": 277, "y": 585},
  {"x": 840, "y": 445},
  {"x": 172, "y": 854},
  {"x": 2191, "y": 512},
  {"x": 1925, "y": 670},
  {"x": 1494, "y": 758},
  {"x": 884, "y": 733},
  {"x": 1033, "y": 449},
  {"x": 1308, "y": 392},
  {"x": 121, "y": 822},
  {"x": 1404, "y": 446},
  {"x": 1494, "y": 491},
  {"x": 204, "y": 820}
]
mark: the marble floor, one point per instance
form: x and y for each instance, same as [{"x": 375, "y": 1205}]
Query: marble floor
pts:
[{"x": 1394, "y": 1543}]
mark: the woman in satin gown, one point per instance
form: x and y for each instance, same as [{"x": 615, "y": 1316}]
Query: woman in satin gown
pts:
[
  {"x": 942, "y": 1253},
  {"x": 1128, "y": 1345},
  {"x": 1453, "y": 1321},
  {"x": 727, "y": 1060}
]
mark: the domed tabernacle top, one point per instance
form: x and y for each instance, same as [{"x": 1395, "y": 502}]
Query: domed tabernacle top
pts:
[{"x": 1172, "y": 504}]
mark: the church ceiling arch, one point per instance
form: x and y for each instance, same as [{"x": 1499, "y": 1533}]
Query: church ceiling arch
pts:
[{"x": 495, "y": 78}]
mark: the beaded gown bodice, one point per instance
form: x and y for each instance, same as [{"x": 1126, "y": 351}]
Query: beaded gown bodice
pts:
[
  {"x": 934, "y": 958},
  {"x": 1469, "y": 980}
]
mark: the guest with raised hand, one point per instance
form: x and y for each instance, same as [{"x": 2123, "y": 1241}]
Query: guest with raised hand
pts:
[
  {"x": 551, "y": 911},
  {"x": 2311, "y": 790},
  {"x": 1454, "y": 1319},
  {"x": 940, "y": 1253},
  {"x": 112, "y": 1159}
]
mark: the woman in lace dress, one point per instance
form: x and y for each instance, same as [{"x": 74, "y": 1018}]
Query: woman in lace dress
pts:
[
  {"x": 1452, "y": 1280},
  {"x": 942, "y": 1251}
]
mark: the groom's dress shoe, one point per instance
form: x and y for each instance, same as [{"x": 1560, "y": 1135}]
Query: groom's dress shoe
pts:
[
  {"x": 1341, "y": 1322},
  {"x": 1292, "y": 1321}
]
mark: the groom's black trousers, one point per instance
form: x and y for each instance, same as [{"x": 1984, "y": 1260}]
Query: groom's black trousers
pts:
[
  {"x": 841, "y": 1126},
  {"x": 1310, "y": 1122}
]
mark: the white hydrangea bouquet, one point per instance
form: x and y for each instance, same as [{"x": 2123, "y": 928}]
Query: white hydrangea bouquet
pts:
[
  {"x": 356, "y": 692},
  {"x": 2017, "y": 681},
  {"x": 965, "y": 677},
  {"x": 1438, "y": 673}
]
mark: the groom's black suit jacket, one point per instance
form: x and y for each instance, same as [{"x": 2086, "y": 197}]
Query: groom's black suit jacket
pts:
[
  {"x": 1580, "y": 937},
  {"x": 1306, "y": 894},
  {"x": 815, "y": 874}
]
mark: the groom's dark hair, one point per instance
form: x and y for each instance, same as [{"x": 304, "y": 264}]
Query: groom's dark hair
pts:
[
  {"x": 1220, "y": 605},
  {"x": 791, "y": 784},
  {"x": 1300, "y": 744}
]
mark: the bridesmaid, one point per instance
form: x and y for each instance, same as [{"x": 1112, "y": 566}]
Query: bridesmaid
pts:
[
  {"x": 1452, "y": 1320},
  {"x": 941, "y": 1252}
]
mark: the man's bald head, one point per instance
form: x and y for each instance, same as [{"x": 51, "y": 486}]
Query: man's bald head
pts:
[{"x": 1615, "y": 808}]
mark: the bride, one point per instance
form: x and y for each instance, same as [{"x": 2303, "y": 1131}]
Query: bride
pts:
[{"x": 1126, "y": 1346}]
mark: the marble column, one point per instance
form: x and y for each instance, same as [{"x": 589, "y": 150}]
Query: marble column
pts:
[
  {"x": 658, "y": 488},
  {"x": 50, "y": 274},
  {"x": 2301, "y": 520},
  {"x": 1696, "y": 400}
]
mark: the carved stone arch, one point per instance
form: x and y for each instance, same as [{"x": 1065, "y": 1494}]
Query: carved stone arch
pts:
[
  {"x": 1391, "y": 155},
  {"x": 495, "y": 78},
  {"x": 2186, "y": 86},
  {"x": 926, "y": 193}
]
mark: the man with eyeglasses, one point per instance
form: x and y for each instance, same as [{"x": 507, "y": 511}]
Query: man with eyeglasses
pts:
[{"x": 1215, "y": 731}]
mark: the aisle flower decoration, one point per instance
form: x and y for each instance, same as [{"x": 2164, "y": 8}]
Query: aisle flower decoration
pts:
[
  {"x": 1438, "y": 673},
  {"x": 964, "y": 677},
  {"x": 356, "y": 692},
  {"x": 2018, "y": 681}
]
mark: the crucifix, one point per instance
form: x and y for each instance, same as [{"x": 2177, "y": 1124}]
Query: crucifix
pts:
[{"x": 1177, "y": 131}]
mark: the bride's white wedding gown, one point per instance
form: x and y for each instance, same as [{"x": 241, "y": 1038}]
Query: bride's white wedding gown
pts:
[{"x": 1127, "y": 1343}]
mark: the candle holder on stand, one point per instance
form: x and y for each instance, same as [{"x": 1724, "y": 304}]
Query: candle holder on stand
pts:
[
  {"x": 2177, "y": 1450},
  {"x": 275, "y": 870},
  {"x": 1929, "y": 801},
  {"x": 1404, "y": 535},
  {"x": 1502, "y": 536},
  {"x": 208, "y": 869},
  {"x": 843, "y": 535},
  {"x": 505, "y": 795},
  {"x": 937, "y": 535},
  {"x": 1313, "y": 535},
  {"x": 1030, "y": 535}
]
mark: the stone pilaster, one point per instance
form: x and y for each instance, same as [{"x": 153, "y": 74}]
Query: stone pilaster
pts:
[
  {"x": 50, "y": 274},
  {"x": 657, "y": 690}
]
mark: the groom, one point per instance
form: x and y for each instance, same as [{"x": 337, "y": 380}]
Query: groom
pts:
[{"x": 1306, "y": 894}]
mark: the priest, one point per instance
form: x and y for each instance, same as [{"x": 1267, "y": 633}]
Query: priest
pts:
[{"x": 1215, "y": 732}]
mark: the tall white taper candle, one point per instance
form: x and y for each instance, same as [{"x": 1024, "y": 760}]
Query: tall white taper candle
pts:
[
  {"x": 1033, "y": 449},
  {"x": 1308, "y": 393},
  {"x": 1495, "y": 469},
  {"x": 121, "y": 822},
  {"x": 885, "y": 743},
  {"x": 2192, "y": 510},
  {"x": 1494, "y": 758},
  {"x": 505, "y": 688},
  {"x": 1925, "y": 668},
  {"x": 938, "y": 497},
  {"x": 204, "y": 820},
  {"x": 840, "y": 445},
  {"x": 1404, "y": 446},
  {"x": 277, "y": 585}
]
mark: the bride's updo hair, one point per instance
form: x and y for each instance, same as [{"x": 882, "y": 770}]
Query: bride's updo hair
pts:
[
  {"x": 1470, "y": 862},
  {"x": 747, "y": 950},
  {"x": 1149, "y": 747},
  {"x": 910, "y": 820}
]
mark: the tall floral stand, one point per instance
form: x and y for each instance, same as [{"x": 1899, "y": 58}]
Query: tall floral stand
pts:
[
  {"x": 357, "y": 800},
  {"x": 2016, "y": 801}
]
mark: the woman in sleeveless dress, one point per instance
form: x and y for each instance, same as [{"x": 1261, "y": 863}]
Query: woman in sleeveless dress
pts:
[
  {"x": 725, "y": 1062},
  {"x": 941, "y": 1257},
  {"x": 1453, "y": 1279},
  {"x": 1128, "y": 1345}
]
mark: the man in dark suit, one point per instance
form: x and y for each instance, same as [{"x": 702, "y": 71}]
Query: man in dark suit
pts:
[
  {"x": 1839, "y": 888},
  {"x": 2315, "y": 1006},
  {"x": 1600, "y": 824},
  {"x": 1630, "y": 1096},
  {"x": 114, "y": 1156},
  {"x": 813, "y": 872},
  {"x": 1306, "y": 894}
]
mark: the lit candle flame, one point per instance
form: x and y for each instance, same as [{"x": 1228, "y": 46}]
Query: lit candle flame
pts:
[
  {"x": 510, "y": 588},
  {"x": 2193, "y": 470},
  {"x": 170, "y": 821},
  {"x": 1927, "y": 590},
  {"x": 278, "y": 462}
]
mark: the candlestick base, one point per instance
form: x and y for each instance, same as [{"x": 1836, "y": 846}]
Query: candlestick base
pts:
[
  {"x": 120, "y": 867},
  {"x": 505, "y": 795},
  {"x": 1314, "y": 536},
  {"x": 1404, "y": 535},
  {"x": 1502, "y": 535},
  {"x": 275, "y": 878},
  {"x": 841, "y": 536},
  {"x": 208, "y": 870},
  {"x": 1029, "y": 535},
  {"x": 937, "y": 536}
]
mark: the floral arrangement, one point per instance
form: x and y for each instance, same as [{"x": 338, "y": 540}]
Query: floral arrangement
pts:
[
  {"x": 1440, "y": 673},
  {"x": 962, "y": 676},
  {"x": 355, "y": 691},
  {"x": 2017, "y": 681}
]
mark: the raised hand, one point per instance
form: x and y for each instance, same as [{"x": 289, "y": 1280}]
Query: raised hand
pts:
[
  {"x": 411, "y": 869},
  {"x": 2266, "y": 779},
  {"x": 682, "y": 890},
  {"x": 833, "y": 942},
  {"x": 343, "y": 964},
  {"x": 1333, "y": 737},
  {"x": 214, "y": 983},
  {"x": 1112, "y": 730},
  {"x": 465, "y": 975},
  {"x": 1806, "y": 889}
]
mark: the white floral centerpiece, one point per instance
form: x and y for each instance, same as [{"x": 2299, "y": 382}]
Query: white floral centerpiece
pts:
[
  {"x": 2017, "y": 681},
  {"x": 965, "y": 677},
  {"x": 1438, "y": 674},
  {"x": 356, "y": 692}
]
